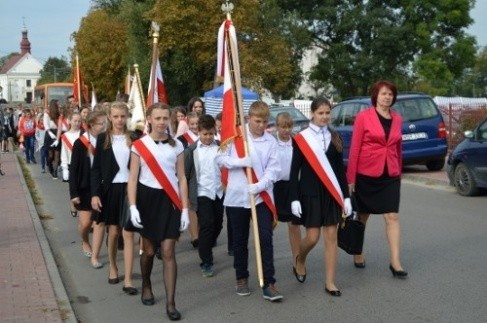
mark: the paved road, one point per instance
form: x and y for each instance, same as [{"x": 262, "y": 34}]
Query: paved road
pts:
[{"x": 443, "y": 249}]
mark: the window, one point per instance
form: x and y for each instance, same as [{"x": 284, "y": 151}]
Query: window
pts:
[{"x": 28, "y": 83}]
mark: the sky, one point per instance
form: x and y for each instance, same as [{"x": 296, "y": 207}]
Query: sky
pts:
[{"x": 51, "y": 22}]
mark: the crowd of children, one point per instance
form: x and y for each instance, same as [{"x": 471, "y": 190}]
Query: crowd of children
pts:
[{"x": 178, "y": 176}]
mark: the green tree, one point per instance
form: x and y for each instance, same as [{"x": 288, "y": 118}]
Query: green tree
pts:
[
  {"x": 56, "y": 70},
  {"x": 101, "y": 43},
  {"x": 414, "y": 43}
]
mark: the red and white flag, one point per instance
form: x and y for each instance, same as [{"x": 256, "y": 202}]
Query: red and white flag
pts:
[
  {"x": 229, "y": 130},
  {"x": 157, "y": 89}
]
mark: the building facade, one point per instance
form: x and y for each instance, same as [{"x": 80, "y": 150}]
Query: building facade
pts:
[{"x": 19, "y": 75}]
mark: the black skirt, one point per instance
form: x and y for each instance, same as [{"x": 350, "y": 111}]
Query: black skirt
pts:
[
  {"x": 160, "y": 218},
  {"x": 320, "y": 210},
  {"x": 283, "y": 203},
  {"x": 378, "y": 195},
  {"x": 112, "y": 202},
  {"x": 85, "y": 200}
]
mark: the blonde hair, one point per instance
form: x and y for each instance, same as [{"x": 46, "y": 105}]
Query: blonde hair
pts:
[
  {"x": 259, "y": 109},
  {"x": 108, "y": 139},
  {"x": 283, "y": 119}
]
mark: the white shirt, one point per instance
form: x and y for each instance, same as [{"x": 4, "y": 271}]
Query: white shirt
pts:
[
  {"x": 165, "y": 155},
  {"x": 122, "y": 154},
  {"x": 207, "y": 171},
  {"x": 263, "y": 151},
  {"x": 285, "y": 155},
  {"x": 322, "y": 134},
  {"x": 65, "y": 151}
]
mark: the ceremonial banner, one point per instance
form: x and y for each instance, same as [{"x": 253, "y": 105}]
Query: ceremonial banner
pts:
[
  {"x": 157, "y": 89},
  {"x": 80, "y": 91},
  {"x": 136, "y": 104}
]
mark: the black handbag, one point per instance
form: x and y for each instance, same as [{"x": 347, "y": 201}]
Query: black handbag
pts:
[{"x": 351, "y": 233}]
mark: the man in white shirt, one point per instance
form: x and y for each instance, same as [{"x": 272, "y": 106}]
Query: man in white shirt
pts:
[{"x": 265, "y": 165}]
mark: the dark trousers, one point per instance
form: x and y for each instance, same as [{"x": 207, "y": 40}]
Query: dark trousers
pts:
[
  {"x": 210, "y": 221},
  {"x": 240, "y": 220}
]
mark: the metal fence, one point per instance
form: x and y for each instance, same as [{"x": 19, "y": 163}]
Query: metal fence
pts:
[{"x": 460, "y": 115}]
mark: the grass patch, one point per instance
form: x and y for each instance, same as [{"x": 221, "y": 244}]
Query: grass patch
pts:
[
  {"x": 29, "y": 181},
  {"x": 45, "y": 217}
]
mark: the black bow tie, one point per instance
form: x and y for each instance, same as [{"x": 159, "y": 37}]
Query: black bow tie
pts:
[{"x": 161, "y": 141}]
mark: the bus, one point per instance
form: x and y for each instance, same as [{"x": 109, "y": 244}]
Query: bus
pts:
[{"x": 44, "y": 93}]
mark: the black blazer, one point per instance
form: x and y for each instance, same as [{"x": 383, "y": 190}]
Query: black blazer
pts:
[
  {"x": 79, "y": 169},
  {"x": 303, "y": 179},
  {"x": 104, "y": 169}
]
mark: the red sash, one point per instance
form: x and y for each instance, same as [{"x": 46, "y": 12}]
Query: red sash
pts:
[
  {"x": 188, "y": 138},
  {"x": 64, "y": 122},
  {"x": 158, "y": 172},
  {"x": 238, "y": 141},
  {"x": 87, "y": 144},
  {"x": 316, "y": 165},
  {"x": 66, "y": 142}
]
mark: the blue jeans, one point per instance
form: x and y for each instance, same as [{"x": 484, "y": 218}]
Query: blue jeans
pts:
[
  {"x": 240, "y": 221},
  {"x": 43, "y": 156},
  {"x": 29, "y": 147}
]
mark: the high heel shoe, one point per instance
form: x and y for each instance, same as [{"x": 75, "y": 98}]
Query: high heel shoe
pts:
[
  {"x": 300, "y": 278},
  {"x": 398, "y": 273}
]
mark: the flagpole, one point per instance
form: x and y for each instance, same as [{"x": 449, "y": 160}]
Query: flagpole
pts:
[
  {"x": 155, "y": 57},
  {"x": 78, "y": 81},
  {"x": 139, "y": 84},
  {"x": 235, "y": 76}
]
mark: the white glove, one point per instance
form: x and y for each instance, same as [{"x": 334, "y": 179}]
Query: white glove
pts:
[
  {"x": 255, "y": 188},
  {"x": 347, "y": 207},
  {"x": 243, "y": 162},
  {"x": 65, "y": 175},
  {"x": 296, "y": 208},
  {"x": 55, "y": 143},
  {"x": 184, "y": 220},
  {"x": 53, "y": 136},
  {"x": 135, "y": 217}
]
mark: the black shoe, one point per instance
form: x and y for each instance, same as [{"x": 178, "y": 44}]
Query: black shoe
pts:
[
  {"x": 195, "y": 243},
  {"x": 148, "y": 301},
  {"x": 173, "y": 315},
  {"x": 300, "y": 278},
  {"x": 113, "y": 281},
  {"x": 158, "y": 253},
  {"x": 130, "y": 290},
  {"x": 398, "y": 273},
  {"x": 335, "y": 293},
  {"x": 360, "y": 265}
]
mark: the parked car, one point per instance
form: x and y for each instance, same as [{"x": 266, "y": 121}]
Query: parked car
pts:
[
  {"x": 467, "y": 163},
  {"x": 423, "y": 129},
  {"x": 300, "y": 120}
]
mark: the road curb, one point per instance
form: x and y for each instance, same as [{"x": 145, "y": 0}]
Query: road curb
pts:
[
  {"x": 426, "y": 180},
  {"x": 65, "y": 308}
]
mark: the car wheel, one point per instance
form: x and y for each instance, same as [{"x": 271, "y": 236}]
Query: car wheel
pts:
[
  {"x": 435, "y": 165},
  {"x": 464, "y": 181}
]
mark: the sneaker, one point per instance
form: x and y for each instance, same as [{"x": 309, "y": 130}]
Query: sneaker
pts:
[
  {"x": 242, "y": 288},
  {"x": 271, "y": 293},
  {"x": 43, "y": 171},
  {"x": 206, "y": 270}
]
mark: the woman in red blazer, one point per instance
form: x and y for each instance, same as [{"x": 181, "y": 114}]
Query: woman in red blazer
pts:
[{"x": 374, "y": 167}]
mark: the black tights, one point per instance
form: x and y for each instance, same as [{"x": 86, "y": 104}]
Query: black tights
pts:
[{"x": 169, "y": 269}]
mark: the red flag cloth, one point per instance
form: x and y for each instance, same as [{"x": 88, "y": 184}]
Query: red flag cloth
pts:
[
  {"x": 84, "y": 88},
  {"x": 229, "y": 110},
  {"x": 158, "y": 94}
]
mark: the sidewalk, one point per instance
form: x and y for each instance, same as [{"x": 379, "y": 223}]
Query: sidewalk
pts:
[{"x": 31, "y": 289}]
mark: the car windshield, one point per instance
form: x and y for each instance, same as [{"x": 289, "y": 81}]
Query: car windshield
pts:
[
  {"x": 416, "y": 109},
  {"x": 294, "y": 113}
]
